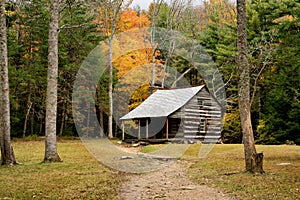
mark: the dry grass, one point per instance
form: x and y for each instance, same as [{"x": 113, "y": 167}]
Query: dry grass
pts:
[
  {"x": 152, "y": 148},
  {"x": 79, "y": 176},
  {"x": 223, "y": 168}
]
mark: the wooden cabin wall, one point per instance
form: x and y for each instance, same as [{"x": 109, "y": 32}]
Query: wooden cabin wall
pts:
[{"x": 201, "y": 116}]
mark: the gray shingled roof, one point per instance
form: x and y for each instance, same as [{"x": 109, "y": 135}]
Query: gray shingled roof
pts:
[{"x": 162, "y": 103}]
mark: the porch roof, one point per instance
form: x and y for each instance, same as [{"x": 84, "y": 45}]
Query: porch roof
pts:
[{"x": 162, "y": 103}]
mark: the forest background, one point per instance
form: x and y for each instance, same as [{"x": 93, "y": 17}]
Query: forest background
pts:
[{"x": 273, "y": 43}]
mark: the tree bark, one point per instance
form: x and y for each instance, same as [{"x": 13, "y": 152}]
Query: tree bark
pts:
[
  {"x": 116, "y": 7},
  {"x": 101, "y": 125},
  {"x": 111, "y": 13},
  {"x": 51, "y": 154},
  {"x": 63, "y": 117},
  {"x": 253, "y": 161},
  {"x": 29, "y": 104},
  {"x": 157, "y": 4},
  {"x": 32, "y": 131},
  {"x": 7, "y": 153},
  {"x": 110, "y": 87}
]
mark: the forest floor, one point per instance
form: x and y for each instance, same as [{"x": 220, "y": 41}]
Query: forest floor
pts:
[
  {"x": 171, "y": 182},
  {"x": 219, "y": 175},
  {"x": 78, "y": 176}
]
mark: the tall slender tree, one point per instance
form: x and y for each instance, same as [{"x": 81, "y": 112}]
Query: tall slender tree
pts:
[
  {"x": 153, "y": 10},
  {"x": 110, "y": 11},
  {"x": 7, "y": 154},
  {"x": 51, "y": 154},
  {"x": 115, "y": 6},
  {"x": 253, "y": 160}
]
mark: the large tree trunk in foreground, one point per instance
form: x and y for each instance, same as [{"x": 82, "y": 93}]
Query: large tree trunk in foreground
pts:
[
  {"x": 51, "y": 154},
  {"x": 253, "y": 160},
  {"x": 7, "y": 153}
]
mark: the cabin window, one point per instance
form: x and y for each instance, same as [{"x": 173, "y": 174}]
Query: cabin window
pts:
[
  {"x": 202, "y": 126},
  {"x": 200, "y": 102}
]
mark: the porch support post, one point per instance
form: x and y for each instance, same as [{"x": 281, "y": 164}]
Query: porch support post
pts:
[
  {"x": 167, "y": 128},
  {"x": 147, "y": 129},
  {"x": 123, "y": 130},
  {"x": 139, "y": 133}
]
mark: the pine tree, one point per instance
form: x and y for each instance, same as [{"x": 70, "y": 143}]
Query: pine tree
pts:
[{"x": 279, "y": 121}]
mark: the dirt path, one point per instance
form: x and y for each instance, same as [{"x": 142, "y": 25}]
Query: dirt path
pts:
[{"x": 169, "y": 183}]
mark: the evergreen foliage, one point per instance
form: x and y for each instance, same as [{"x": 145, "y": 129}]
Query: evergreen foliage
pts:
[
  {"x": 273, "y": 43},
  {"x": 277, "y": 36}
]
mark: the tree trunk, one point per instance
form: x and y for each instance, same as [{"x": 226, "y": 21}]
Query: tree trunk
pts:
[
  {"x": 110, "y": 87},
  {"x": 32, "y": 131},
  {"x": 87, "y": 133},
  {"x": 51, "y": 154},
  {"x": 253, "y": 160},
  {"x": 101, "y": 124},
  {"x": 111, "y": 10},
  {"x": 7, "y": 154},
  {"x": 63, "y": 117},
  {"x": 152, "y": 36},
  {"x": 29, "y": 104},
  {"x": 41, "y": 126},
  {"x": 154, "y": 14},
  {"x": 116, "y": 9}
]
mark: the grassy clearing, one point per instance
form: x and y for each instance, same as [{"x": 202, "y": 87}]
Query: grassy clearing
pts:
[
  {"x": 223, "y": 168},
  {"x": 79, "y": 176},
  {"x": 152, "y": 148}
]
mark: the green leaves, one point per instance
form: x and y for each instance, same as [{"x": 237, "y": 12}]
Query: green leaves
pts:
[{"x": 281, "y": 101}]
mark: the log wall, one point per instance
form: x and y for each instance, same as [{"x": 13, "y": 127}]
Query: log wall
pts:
[{"x": 200, "y": 117}]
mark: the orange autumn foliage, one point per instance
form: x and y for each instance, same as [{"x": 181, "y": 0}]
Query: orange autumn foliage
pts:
[
  {"x": 130, "y": 20},
  {"x": 129, "y": 61}
]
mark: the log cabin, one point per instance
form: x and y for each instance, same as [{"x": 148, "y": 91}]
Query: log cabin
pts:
[{"x": 171, "y": 114}]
